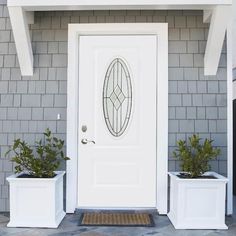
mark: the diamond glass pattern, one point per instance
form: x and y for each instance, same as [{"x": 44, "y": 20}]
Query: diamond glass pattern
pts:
[{"x": 117, "y": 103}]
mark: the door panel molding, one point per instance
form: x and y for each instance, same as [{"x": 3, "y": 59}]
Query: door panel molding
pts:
[{"x": 160, "y": 30}]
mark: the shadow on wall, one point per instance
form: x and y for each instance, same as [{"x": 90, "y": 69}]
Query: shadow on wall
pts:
[
  {"x": 234, "y": 133},
  {"x": 234, "y": 73}
]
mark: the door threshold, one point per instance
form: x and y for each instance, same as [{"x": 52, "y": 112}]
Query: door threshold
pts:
[{"x": 116, "y": 210}]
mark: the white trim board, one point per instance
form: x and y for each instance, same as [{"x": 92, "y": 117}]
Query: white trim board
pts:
[
  {"x": 77, "y": 30},
  {"x": 118, "y": 4},
  {"x": 234, "y": 34},
  {"x": 229, "y": 120}
]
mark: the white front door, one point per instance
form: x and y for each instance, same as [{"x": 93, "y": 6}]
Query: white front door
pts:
[{"x": 117, "y": 121}]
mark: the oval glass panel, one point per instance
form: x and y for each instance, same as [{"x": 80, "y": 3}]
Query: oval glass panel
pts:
[{"x": 117, "y": 97}]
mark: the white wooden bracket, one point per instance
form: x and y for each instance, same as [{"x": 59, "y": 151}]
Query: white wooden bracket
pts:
[
  {"x": 219, "y": 22},
  {"x": 19, "y": 21}
]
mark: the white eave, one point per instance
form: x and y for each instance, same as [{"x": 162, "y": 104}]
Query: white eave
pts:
[{"x": 216, "y": 12}]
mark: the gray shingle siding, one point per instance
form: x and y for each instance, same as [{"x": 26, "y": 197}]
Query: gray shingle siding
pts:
[{"x": 30, "y": 104}]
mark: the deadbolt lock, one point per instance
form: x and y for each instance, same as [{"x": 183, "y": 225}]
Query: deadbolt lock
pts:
[{"x": 84, "y": 128}]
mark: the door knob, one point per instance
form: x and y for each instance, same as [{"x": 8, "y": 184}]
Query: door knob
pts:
[{"x": 85, "y": 141}]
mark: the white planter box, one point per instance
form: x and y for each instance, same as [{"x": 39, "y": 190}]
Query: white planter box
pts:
[
  {"x": 36, "y": 202},
  {"x": 197, "y": 203}
]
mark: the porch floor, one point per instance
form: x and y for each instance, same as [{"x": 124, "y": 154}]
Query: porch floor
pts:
[{"x": 69, "y": 227}]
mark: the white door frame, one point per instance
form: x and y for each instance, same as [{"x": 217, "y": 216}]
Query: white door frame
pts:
[{"x": 161, "y": 32}]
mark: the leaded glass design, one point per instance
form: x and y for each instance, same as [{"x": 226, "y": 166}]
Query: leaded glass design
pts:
[{"x": 117, "y": 97}]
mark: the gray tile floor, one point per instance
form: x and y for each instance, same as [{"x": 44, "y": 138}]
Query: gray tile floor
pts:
[{"x": 69, "y": 227}]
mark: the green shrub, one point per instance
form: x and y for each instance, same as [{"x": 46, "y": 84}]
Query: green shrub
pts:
[
  {"x": 195, "y": 156},
  {"x": 44, "y": 162}
]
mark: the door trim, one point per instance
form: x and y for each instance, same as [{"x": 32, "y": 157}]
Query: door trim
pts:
[{"x": 161, "y": 32}]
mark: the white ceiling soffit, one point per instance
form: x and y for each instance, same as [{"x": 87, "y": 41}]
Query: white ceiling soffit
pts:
[
  {"x": 215, "y": 11},
  {"x": 115, "y": 4}
]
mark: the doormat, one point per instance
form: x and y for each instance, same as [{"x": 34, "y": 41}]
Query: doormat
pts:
[{"x": 116, "y": 219}]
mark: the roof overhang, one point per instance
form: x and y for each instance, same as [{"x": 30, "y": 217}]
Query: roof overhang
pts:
[{"x": 216, "y": 12}]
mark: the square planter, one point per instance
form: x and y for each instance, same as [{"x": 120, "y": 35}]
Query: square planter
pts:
[
  {"x": 197, "y": 203},
  {"x": 36, "y": 202}
]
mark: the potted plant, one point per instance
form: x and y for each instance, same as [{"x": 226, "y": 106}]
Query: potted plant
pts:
[
  {"x": 197, "y": 196},
  {"x": 36, "y": 188}
]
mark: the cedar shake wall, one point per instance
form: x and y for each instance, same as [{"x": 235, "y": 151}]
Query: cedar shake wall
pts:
[{"x": 28, "y": 105}]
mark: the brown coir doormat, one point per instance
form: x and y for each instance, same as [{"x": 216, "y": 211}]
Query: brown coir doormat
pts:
[{"x": 116, "y": 219}]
